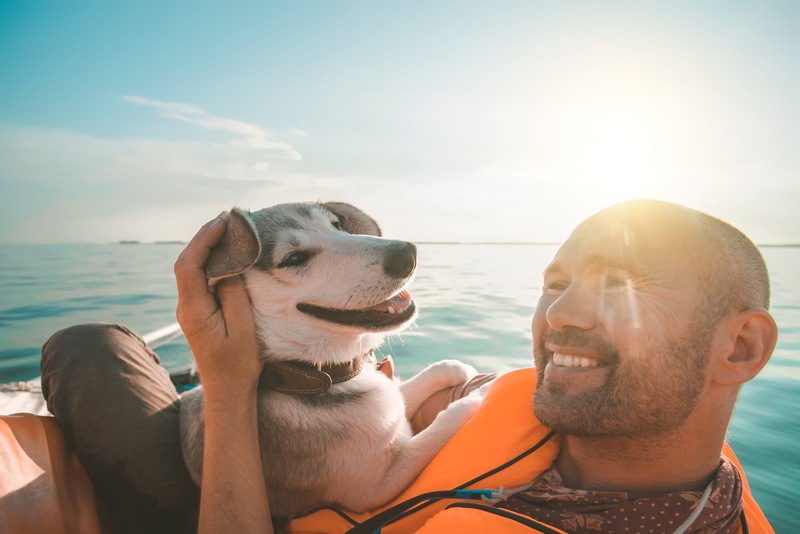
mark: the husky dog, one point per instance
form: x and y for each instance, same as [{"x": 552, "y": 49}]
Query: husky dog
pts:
[{"x": 325, "y": 289}]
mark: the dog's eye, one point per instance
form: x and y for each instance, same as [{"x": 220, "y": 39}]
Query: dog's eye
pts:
[
  {"x": 336, "y": 224},
  {"x": 295, "y": 259}
]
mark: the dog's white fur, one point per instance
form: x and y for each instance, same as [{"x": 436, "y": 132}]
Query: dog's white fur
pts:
[{"x": 351, "y": 446}]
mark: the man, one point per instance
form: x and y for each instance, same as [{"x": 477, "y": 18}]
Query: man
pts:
[{"x": 651, "y": 318}]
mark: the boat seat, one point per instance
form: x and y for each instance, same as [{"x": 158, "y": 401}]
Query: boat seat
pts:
[{"x": 43, "y": 486}]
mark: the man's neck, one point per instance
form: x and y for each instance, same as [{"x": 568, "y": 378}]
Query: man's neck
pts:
[{"x": 652, "y": 465}]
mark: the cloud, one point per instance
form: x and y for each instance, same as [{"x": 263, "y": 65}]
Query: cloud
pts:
[
  {"x": 58, "y": 186},
  {"x": 252, "y": 136},
  {"x": 63, "y": 186}
]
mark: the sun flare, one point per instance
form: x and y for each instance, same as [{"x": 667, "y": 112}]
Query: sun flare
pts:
[{"x": 622, "y": 146}]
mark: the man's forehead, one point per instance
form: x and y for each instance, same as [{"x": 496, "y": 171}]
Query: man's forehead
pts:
[{"x": 614, "y": 241}]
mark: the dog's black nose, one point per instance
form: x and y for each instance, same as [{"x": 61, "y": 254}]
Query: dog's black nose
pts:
[{"x": 401, "y": 260}]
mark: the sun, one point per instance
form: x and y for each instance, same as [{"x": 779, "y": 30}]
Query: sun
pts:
[
  {"x": 622, "y": 146},
  {"x": 625, "y": 127}
]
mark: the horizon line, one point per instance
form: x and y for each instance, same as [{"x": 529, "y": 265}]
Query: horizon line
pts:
[{"x": 179, "y": 242}]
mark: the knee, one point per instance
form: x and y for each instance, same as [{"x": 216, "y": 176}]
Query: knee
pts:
[
  {"x": 76, "y": 344},
  {"x": 88, "y": 356},
  {"x": 77, "y": 333}
]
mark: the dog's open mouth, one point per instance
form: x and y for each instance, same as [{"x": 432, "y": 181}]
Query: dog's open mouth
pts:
[{"x": 391, "y": 312}]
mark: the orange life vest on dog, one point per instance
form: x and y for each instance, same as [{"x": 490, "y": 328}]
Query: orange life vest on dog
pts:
[{"x": 503, "y": 446}]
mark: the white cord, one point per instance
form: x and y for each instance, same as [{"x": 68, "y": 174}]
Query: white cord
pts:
[{"x": 697, "y": 510}]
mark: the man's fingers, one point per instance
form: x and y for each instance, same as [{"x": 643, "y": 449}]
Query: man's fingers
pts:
[
  {"x": 196, "y": 305},
  {"x": 236, "y": 307},
  {"x": 189, "y": 274}
]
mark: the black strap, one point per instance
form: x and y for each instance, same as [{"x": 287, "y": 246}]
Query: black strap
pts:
[{"x": 521, "y": 519}]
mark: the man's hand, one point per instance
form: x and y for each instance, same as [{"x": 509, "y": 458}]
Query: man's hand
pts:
[
  {"x": 221, "y": 334},
  {"x": 220, "y": 331}
]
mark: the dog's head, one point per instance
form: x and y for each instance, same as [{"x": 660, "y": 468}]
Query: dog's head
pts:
[{"x": 319, "y": 275}]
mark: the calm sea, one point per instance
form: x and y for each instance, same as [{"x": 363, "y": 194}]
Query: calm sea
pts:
[{"x": 476, "y": 303}]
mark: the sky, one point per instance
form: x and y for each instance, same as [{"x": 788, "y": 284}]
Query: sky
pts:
[{"x": 446, "y": 120}]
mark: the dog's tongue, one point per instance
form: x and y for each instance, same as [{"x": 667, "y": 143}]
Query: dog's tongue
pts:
[{"x": 397, "y": 303}]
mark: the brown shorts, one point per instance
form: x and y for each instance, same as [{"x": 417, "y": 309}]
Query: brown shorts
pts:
[{"x": 118, "y": 410}]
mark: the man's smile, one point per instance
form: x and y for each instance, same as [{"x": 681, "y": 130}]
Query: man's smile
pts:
[
  {"x": 566, "y": 360},
  {"x": 578, "y": 366}
]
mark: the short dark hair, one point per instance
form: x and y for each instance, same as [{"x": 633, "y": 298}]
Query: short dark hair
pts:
[{"x": 735, "y": 271}]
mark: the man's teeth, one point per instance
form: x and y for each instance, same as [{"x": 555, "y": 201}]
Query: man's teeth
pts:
[{"x": 565, "y": 360}]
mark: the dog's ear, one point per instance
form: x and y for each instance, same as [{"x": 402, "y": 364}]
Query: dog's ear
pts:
[
  {"x": 238, "y": 249},
  {"x": 353, "y": 220}
]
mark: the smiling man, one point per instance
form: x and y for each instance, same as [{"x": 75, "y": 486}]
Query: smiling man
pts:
[
  {"x": 651, "y": 317},
  {"x": 624, "y": 326}
]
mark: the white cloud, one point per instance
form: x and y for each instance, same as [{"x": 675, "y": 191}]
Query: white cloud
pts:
[
  {"x": 61, "y": 186},
  {"x": 253, "y": 137}
]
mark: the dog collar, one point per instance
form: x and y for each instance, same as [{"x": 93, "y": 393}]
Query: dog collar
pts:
[{"x": 303, "y": 378}]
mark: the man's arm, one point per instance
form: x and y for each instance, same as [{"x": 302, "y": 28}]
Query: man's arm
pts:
[{"x": 221, "y": 334}]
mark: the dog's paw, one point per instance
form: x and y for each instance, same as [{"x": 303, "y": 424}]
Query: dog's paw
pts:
[
  {"x": 452, "y": 372},
  {"x": 434, "y": 378},
  {"x": 462, "y": 410}
]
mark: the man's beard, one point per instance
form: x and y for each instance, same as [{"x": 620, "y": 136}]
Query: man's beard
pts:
[{"x": 643, "y": 393}]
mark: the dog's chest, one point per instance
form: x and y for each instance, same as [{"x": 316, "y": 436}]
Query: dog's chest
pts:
[{"x": 359, "y": 419}]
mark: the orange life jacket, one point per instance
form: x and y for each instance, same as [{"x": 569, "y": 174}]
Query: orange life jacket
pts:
[{"x": 503, "y": 446}]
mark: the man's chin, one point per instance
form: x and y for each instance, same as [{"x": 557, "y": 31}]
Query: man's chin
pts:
[
  {"x": 548, "y": 409},
  {"x": 569, "y": 415}
]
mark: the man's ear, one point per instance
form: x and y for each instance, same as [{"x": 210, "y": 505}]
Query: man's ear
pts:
[
  {"x": 750, "y": 339},
  {"x": 238, "y": 249}
]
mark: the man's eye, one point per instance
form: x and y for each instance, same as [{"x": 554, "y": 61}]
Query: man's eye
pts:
[
  {"x": 556, "y": 287},
  {"x": 615, "y": 280},
  {"x": 295, "y": 259}
]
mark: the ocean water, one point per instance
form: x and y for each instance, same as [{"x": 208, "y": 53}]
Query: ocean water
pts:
[{"x": 476, "y": 304}]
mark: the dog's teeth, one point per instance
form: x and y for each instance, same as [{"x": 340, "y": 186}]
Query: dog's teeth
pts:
[{"x": 390, "y": 309}]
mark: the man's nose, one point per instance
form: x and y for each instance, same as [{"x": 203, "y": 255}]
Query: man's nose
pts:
[{"x": 576, "y": 306}]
